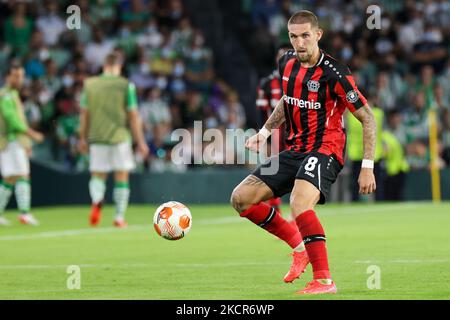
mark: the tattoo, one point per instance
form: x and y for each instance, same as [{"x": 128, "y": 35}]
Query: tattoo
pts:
[
  {"x": 366, "y": 117},
  {"x": 252, "y": 180},
  {"x": 277, "y": 117},
  {"x": 236, "y": 197}
]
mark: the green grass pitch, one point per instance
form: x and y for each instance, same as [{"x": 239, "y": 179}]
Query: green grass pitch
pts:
[{"x": 224, "y": 256}]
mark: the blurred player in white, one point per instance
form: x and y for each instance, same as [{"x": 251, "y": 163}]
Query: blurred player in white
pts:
[
  {"x": 108, "y": 112},
  {"x": 15, "y": 148}
]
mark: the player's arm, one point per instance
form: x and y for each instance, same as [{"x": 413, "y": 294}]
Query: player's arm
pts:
[
  {"x": 15, "y": 122},
  {"x": 84, "y": 121},
  {"x": 135, "y": 121},
  {"x": 366, "y": 178},
  {"x": 275, "y": 120},
  {"x": 346, "y": 90},
  {"x": 367, "y": 119}
]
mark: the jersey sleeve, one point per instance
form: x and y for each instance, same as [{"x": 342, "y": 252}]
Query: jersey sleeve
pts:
[
  {"x": 347, "y": 91},
  {"x": 12, "y": 118},
  {"x": 131, "y": 97}
]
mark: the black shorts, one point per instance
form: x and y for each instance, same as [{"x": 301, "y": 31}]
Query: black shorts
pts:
[{"x": 317, "y": 168}]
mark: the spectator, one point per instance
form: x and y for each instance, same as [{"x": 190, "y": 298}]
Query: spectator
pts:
[
  {"x": 51, "y": 24},
  {"x": 97, "y": 50},
  {"x": 18, "y": 29}
]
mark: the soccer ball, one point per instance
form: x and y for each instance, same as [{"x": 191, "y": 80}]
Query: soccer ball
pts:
[{"x": 172, "y": 220}]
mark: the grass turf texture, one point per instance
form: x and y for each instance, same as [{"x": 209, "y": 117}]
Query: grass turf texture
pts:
[{"x": 224, "y": 256}]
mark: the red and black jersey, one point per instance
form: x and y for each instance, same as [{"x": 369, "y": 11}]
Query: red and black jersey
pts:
[
  {"x": 269, "y": 92},
  {"x": 315, "y": 99},
  {"x": 268, "y": 95}
]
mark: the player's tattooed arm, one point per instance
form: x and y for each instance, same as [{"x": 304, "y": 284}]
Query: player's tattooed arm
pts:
[
  {"x": 367, "y": 119},
  {"x": 277, "y": 118}
]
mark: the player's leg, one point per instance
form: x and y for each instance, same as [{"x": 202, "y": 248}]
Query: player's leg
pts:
[
  {"x": 6, "y": 190},
  {"x": 97, "y": 190},
  {"x": 99, "y": 166},
  {"x": 16, "y": 171},
  {"x": 121, "y": 195},
  {"x": 23, "y": 199},
  {"x": 312, "y": 186},
  {"x": 304, "y": 197},
  {"x": 123, "y": 163},
  {"x": 7, "y": 185},
  {"x": 247, "y": 198}
]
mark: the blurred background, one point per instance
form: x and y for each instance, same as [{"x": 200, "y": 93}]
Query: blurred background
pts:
[{"x": 203, "y": 60}]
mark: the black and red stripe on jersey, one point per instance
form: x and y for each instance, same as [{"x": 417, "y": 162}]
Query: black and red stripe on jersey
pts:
[
  {"x": 269, "y": 92},
  {"x": 315, "y": 100}
]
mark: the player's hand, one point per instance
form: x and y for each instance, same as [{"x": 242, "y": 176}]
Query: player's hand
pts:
[
  {"x": 36, "y": 136},
  {"x": 142, "y": 148},
  {"x": 254, "y": 143},
  {"x": 83, "y": 146},
  {"x": 366, "y": 181}
]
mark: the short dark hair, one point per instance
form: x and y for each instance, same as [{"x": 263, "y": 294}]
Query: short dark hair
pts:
[
  {"x": 113, "y": 59},
  {"x": 304, "y": 16},
  {"x": 13, "y": 66}
]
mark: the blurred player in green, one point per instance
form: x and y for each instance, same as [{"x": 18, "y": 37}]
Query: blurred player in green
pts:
[
  {"x": 108, "y": 112},
  {"x": 15, "y": 147}
]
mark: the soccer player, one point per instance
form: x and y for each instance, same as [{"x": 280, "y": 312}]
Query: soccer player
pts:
[
  {"x": 15, "y": 147},
  {"x": 317, "y": 89},
  {"x": 268, "y": 94},
  {"x": 108, "y": 110}
]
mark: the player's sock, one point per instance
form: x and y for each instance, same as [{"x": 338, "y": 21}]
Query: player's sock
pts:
[
  {"x": 23, "y": 195},
  {"x": 121, "y": 194},
  {"x": 266, "y": 217},
  {"x": 97, "y": 188},
  {"x": 301, "y": 247},
  {"x": 314, "y": 239},
  {"x": 5, "y": 194},
  {"x": 274, "y": 202}
]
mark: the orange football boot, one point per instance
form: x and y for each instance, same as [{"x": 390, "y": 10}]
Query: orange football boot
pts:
[
  {"x": 299, "y": 262},
  {"x": 315, "y": 287},
  {"x": 96, "y": 214}
]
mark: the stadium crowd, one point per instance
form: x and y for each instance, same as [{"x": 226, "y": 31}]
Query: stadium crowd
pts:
[
  {"x": 165, "y": 57},
  {"x": 403, "y": 68}
]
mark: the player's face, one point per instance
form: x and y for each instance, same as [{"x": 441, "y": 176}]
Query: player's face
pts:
[
  {"x": 16, "y": 78},
  {"x": 304, "y": 39}
]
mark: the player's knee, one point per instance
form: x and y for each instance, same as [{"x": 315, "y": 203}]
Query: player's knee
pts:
[
  {"x": 238, "y": 200},
  {"x": 301, "y": 202}
]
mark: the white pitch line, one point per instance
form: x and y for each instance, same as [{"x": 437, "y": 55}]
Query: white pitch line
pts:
[
  {"x": 144, "y": 265},
  {"x": 405, "y": 261},
  {"x": 213, "y": 221},
  {"x": 203, "y": 265},
  {"x": 64, "y": 233}
]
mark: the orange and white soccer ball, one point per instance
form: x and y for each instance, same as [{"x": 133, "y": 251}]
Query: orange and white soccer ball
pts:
[{"x": 172, "y": 220}]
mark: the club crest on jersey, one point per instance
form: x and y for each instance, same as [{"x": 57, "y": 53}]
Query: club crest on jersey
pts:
[
  {"x": 352, "y": 96},
  {"x": 313, "y": 85}
]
